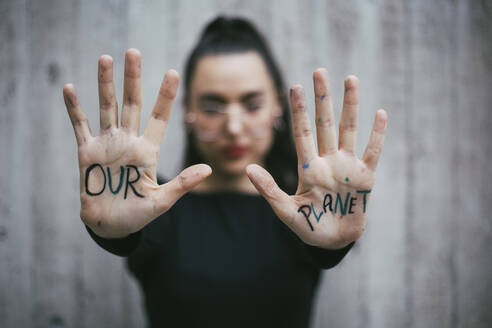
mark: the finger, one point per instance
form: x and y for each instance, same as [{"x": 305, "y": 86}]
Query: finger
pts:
[
  {"x": 189, "y": 178},
  {"x": 303, "y": 135},
  {"x": 108, "y": 105},
  {"x": 325, "y": 119},
  {"x": 132, "y": 98},
  {"x": 348, "y": 121},
  {"x": 79, "y": 119},
  {"x": 280, "y": 202},
  {"x": 154, "y": 131},
  {"x": 376, "y": 141}
]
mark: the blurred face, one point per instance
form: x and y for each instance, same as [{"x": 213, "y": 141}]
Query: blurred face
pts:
[{"x": 233, "y": 105}]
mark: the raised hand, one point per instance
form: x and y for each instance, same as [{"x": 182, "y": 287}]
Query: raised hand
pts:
[
  {"x": 119, "y": 192},
  {"x": 330, "y": 206}
]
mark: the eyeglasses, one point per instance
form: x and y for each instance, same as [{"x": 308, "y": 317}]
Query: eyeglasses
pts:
[{"x": 213, "y": 119}]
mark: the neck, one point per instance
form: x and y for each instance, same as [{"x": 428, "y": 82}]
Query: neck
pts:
[{"x": 222, "y": 182}]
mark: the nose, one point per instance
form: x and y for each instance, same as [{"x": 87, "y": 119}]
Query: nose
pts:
[{"x": 234, "y": 124}]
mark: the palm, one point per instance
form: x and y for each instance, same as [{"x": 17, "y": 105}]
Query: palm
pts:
[
  {"x": 337, "y": 212},
  {"x": 118, "y": 186},
  {"x": 330, "y": 206},
  {"x": 105, "y": 168}
]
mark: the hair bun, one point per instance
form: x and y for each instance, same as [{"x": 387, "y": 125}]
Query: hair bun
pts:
[{"x": 223, "y": 26}]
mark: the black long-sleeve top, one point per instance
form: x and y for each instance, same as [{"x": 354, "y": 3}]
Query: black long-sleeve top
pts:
[{"x": 223, "y": 260}]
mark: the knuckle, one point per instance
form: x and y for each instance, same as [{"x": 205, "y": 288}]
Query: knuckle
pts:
[
  {"x": 270, "y": 189},
  {"x": 80, "y": 121},
  {"x": 351, "y": 100},
  {"x": 167, "y": 93},
  {"x": 325, "y": 122},
  {"x": 130, "y": 101},
  {"x": 181, "y": 182},
  {"x": 304, "y": 132},
  {"x": 322, "y": 93},
  {"x": 299, "y": 107},
  {"x": 374, "y": 151},
  {"x": 107, "y": 104},
  {"x": 349, "y": 125},
  {"x": 160, "y": 116}
]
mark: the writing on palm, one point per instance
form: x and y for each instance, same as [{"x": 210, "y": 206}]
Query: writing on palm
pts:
[{"x": 330, "y": 205}]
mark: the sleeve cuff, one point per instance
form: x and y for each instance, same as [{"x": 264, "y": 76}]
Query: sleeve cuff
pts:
[
  {"x": 119, "y": 246},
  {"x": 327, "y": 258}
]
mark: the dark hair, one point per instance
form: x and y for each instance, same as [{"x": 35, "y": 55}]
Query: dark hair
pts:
[{"x": 236, "y": 35}]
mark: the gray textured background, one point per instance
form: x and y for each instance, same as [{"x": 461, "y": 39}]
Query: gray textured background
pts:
[{"x": 424, "y": 260}]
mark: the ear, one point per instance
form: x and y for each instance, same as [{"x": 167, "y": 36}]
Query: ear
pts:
[{"x": 277, "y": 109}]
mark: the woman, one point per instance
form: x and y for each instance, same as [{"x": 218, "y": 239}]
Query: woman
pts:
[{"x": 219, "y": 255}]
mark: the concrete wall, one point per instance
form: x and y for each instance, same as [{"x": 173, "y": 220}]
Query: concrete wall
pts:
[{"x": 424, "y": 260}]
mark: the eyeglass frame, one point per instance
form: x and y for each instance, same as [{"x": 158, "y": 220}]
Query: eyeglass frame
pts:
[{"x": 218, "y": 110}]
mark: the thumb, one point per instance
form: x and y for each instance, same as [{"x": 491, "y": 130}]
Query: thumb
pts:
[
  {"x": 189, "y": 178},
  {"x": 280, "y": 202}
]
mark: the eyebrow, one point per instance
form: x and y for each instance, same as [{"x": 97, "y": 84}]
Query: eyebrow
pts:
[
  {"x": 250, "y": 95},
  {"x": 210, "y": 96}
]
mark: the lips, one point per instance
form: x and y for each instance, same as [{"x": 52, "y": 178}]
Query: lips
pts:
[{"x": 235, "y": 151}]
